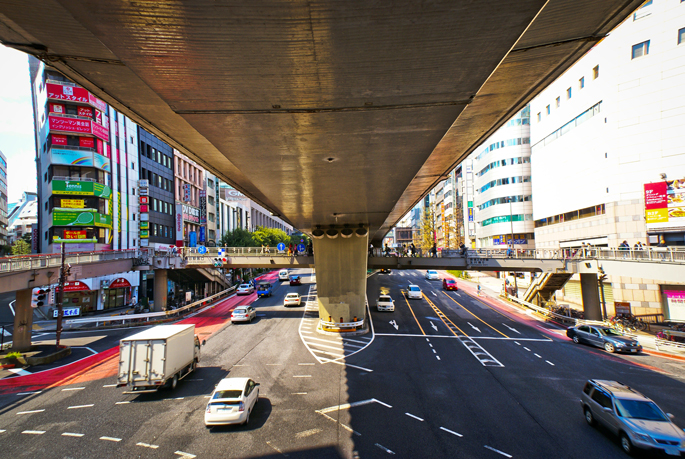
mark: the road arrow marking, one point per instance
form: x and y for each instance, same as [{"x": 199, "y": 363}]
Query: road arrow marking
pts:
[
  {"x": 434, "y": 326},
  {"x": 434, "y": 294},
  {"x": 512, "y": 329},
  {"x": 475, "y": 328},
  {"x": 394, "y": 324}
]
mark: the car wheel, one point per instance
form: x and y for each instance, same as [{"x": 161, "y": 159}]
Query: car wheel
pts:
[
  {"x": 589, "y": 417},
  {"x": 609, "y": 347},
  {"x": 627, "y": 445},
  {"x": 576, "y": 339},
  {"x": 174, "y": 382},
  {"x": 247, "y": 417}
]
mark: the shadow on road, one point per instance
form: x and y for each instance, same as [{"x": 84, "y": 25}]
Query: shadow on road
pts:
[{"x": 260, "y": 413}]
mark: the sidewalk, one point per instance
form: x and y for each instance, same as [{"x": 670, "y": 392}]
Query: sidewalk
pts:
[{"x": 492, "y": 288}]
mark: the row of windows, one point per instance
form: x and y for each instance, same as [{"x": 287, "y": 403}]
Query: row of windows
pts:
[
  {"x": 156, "y": 180},
  {"x": 505, "y": 200},
  {"x": 188, "y": 171},
  {"x": 587, "y": 212},
  {"x": 502, "y": 144},
  {"x": 157, "y": 230},
  {"x": 507, "y": 219},
  {"x": 155, "y": 155},
  {"x": 164, "y": 207},
  {"x": 569, "y": 93},
  {"x": 503, "y": 162},
  {"x": 504, "y": 181},
  {"x": 574, "y": 123}
]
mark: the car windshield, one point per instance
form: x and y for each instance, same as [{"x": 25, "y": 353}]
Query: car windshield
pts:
[
  {"x": 244, "y": 285},
  {"x": 384, "y": 298},
  {"x": 241, "y": 310},
  {"x": 432, "y": 272},
  {"x": 449, "y": 282},
  {"x": 414, "y": 288},
  {"x": 227, "y": 394},
  {"x": 637, "y": 409},
  {"x": 291, "y": 295},
  {"x": 609, "y": 332}
]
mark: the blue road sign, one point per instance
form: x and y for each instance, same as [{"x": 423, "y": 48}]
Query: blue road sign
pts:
[
  {"x": 300, "y": 247},
  {"x": 280, "y": 247},
  {"x": 202, "y": 249}
]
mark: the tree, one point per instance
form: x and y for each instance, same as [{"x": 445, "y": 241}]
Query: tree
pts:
[
  {"x": 238, "y": 238},
  {"x": 21, "y": 247},
  {"x": 426, "y": 237},
  {"x": 27, "y": 238},
  {"x": 269, "y": 237}
]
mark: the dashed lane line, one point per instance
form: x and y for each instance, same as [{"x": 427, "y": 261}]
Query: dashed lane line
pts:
[
  {"x": 306, "y": 364},
  {"x": 30, "y": 393},
  {"x": 308, "y": 433},
  {"x": 72, "y": 388},
  {"x": 30, "y": 412},
  {"x": 384, "y": 448},
  {"x": 182, "y": 454},
  {"x": 302, "y": 376},
  {"x": 451, "y": 431},
  {"x": 415, "y": 417},
  {"x": 2, "y": 431},
  {"x": 110, "y": 385},
  {"x": 72, "y": 434},
  {"x": 76, "y": 407},
  {"x": 465, "y": 309},
  {"x": 275, "y": 448},
  {"x": 33, "y": 432},
  {"x": 537, "y": 355},
  {"x": 122, "y": 403},
  {"x": 298, "y": 393},
  {"x": 549, "y": 362},
  {"x": 498, "y": 451},
  {"x": 114, "y": 439},
  {"x": 147, "y": 445}
]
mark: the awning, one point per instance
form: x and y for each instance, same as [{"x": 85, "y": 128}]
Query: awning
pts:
[{"x": 119, "y": 282}]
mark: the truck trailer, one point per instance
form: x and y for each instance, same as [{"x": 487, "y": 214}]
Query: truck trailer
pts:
[{"x": 158, "y": 357}]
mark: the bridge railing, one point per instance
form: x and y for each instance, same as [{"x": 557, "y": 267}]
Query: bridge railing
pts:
[{"x": 39, "y": 261}]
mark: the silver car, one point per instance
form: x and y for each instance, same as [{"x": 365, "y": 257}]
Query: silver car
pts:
[
  {"x": 243, "y": 314},
  {"x": 636, "y": 419}
]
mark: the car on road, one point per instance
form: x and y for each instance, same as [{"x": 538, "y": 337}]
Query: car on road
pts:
[
  {"x": 385, "y": 303},
  {"x": 637, "y": 420},
  {"x": 449, "y": 284},
  {"x": 292, "y": 299},
  {"x": 604, "y": 337},
  {"x": 295, "y": 280},
  {"x": 243, "y": 314},
  {"x": 232, "y": 402},
  {"x": 385, "y": 271},
  {"x": 432, "y": 275},
  {"x": 245, "y": 289},
  {"x": 283, "y": 275},
  {"x": 263, "y": 289},
  {"x": 414, "y": 292}
]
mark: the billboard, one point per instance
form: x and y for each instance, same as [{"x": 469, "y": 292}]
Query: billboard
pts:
[
  {"x": 178, "y": 226},
  {"x": 66, "y": 92},
  {"x": 60, "y": 123},
  {"x": 78, "y": 158},
  {"x": 72, "y": 203},
  {"x": 80, "y": 188},
  {"x": 78, "y": 234},
  {"x": 665, "y": 204},
  {"x": 80, "y": 218},
  {"x": 100, "y": 131}
]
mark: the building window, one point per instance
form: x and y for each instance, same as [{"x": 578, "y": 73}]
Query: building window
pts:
[
  {"x": 548, "y": 110},
  {"x": 581, "y": 83},
  {"x": 539, "y": 117},
  {"x": 569, "y": 93},
  {"x": 681, "y": 36},
  {"x": 595, "y": 72},
  {"x": 641, "y": 49},
  {"x": 558, "y": 102},
  {"x": 640, "y": 13}
]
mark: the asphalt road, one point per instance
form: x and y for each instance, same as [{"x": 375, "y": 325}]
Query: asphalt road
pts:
[{"x": 445, "y": 376}]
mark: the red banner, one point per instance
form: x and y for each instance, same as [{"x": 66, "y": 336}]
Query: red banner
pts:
[
  {"x": 59, "y": 139},
  {"x": 65, "y": 92},
  {"x": 85, "y": 111},
  {"x": 75, "y": 286},
  {"x": 57, "y": 108},
  {"x": 99, "y": 146},
  {"x": 68, "y": 234},
  {"x": 97, "y": 103},
  {"x": 59, "y": 123},
  {"x": 86, "y": 142},
  {"x": 655, "y": 195},
  {"x": 100, "y": 131},
  {"x": 119, "y": 282},
  {"x": 143, "y": 208},
  {"x": 144, "y": 199}
]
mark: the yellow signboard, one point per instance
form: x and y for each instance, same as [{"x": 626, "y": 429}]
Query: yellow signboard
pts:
[
  {"x": 656, "y": 215},
  {"x": 72, "y": 203}
]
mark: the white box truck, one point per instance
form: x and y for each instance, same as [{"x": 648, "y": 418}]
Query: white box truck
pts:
[{"x": 157, "y": 357}]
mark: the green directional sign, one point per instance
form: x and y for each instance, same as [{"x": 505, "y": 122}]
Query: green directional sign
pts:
[
  {"x": 75, "y": 187},
  {"x": 87, "y": 217}
]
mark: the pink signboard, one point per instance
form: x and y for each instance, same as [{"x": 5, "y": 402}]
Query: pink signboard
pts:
[
  {"x": 86, "y": 142},
  {"x": 99, "y": 146},
  {"x": 58, "y": 123},
  {"x": 97, "y": 103},
  {"x": 66, "y": 92},
  {"x": 57, "y": 108},
  {"x": 59, "y": 139},
  {"x": 100, "y": 131},
  {"x": 85, "y": 111},
  {"x": 655, "y": 195}
]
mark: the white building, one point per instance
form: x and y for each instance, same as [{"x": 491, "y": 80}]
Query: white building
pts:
[
  {"x": 610, "y": 124},
  {"x": 24, "y": 214},
  {"x": 502, "y": 199}
]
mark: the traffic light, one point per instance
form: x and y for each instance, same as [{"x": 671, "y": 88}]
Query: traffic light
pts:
[
  {"x": 39, "y": 297},
  {"x": 218, "y": 263}
]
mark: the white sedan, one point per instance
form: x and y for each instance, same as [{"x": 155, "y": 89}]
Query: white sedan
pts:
[
  {"x": 243, "y": 314},
  {"x": 414, "y": 292},
  {"x": 292, "y": 299},
  {"x": 432, "y": 275},
  {"x": 232, "y": 402},
  {"x": 245, "y": 289},
  {"x": 385, "y": 303}
]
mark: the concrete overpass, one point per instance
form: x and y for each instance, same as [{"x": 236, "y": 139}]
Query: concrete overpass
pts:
[{"x": 327, "y": 113}]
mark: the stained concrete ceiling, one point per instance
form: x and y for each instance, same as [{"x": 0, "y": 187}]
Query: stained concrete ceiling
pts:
[{"x": 325, "y": 112}]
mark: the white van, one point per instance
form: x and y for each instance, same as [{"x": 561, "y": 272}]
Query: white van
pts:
[{"x": 283, "y": 275}]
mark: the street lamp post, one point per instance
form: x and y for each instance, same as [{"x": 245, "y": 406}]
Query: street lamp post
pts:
[{"x": 511, "y": 221}]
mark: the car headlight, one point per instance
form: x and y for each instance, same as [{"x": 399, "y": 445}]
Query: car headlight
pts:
[
  {"x": 619, "y": 344},
  {"x": 643, "y": 437}
]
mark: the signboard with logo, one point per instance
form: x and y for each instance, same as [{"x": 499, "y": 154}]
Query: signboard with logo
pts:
[
  {"x": 202, "y": 234},
  {"x": 675, "y": 302},
  {"x": 75, "y": 234},
  {"x": 186, "y": 192},
  {"x": 101, "y": 162},
  {"x": 71, "y": 157},
  {"x": 86, "y": 142},
  {"x": 72, "y": 203},
  {"x": 191, "y": 214},
  {"x": 100, "y": 131},
  {"x": 144, "y": 225},
  {"x": 470, "y": 214},
  {"x": 178, "y": 225},
  {"x": 144, "y": 200},
  {"x": 85, "y": 111},
  {"x": 80, "y": 188},
  {"x": 75, "y": 286},
  {"x": 97, "y": 103},
  {"x": 58, "y": 139},
  {"x": 83, "y": 218},
  {"x": 66, "y": 92},
  {"x": 665, "y": 204},
  {"x": 203, "y": 206},
  {"x": 144, "y": 233},
  {"x": 59, "y": 123}
]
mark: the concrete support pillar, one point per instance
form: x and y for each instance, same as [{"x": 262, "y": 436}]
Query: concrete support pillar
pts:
[
  {"x": 23, "y": 321},
  {"x": 589, "y": 287},
  {"x": 341, "y": 277},
  {"x": 160, "y": 291}
]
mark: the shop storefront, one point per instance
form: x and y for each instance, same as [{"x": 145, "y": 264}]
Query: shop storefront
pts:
[
  {"x": 673, "y": 302},
  {"x": 117, "y": 293},
  {"x": 78, "y": 295}
]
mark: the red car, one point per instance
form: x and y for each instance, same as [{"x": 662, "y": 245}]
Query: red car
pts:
[
  {"x": 295, "y": 280},
  {"x": 449, "y": 284}
]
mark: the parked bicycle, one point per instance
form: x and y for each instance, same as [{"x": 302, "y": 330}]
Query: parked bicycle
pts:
[{"x": 627, "y": 322}]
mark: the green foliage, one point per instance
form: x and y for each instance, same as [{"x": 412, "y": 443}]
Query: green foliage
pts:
[
  {"x": 13, "y": 355},
  {"x": 427, "y": 231},
  {"x": 262, "y": 236},
  {"x": 459, "y": 274},
  {"x": 21, "y": 247},
  {"x": 27, "y": 238}
]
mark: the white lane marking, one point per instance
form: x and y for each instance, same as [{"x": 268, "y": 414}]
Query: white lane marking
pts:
[
  {"x": 394, "y": 324},
  {"x": 517, "y": 343},
  {"x": 72, "y": 388},
  {"x": 302, "y": 376},
  {"x": 474, "y": 327},
  {"x": 437, "y": 357},
  {"x": 434, "y": 351},
  {"x": 327, "y": 347},
  {"x": 415, "y": 417},
  {"x": 350, "y": 340},
  {"x": 147, "y": 445},
  {"x": 549, "y": 362},
  {"x": 306, "y": 364},
  {"x": 75, "y": 407},
  {"x": 34, "y": 432},
  {"x": 241, "y": 365},
  {"x": 123, "y": 403},
  {"x": 338, "y": 362},
  {"x": 495, "y": 338},
  {"x": 384, "y": 448},
  {"x": 308, "y": 433},
  {"x": 30, "y": 393},
  {"x": 272, "y": 365},
  {"x": 430, "y": 344},
  {"x": 526, "y": 348},
  {"x": 19, "y": 371},
  {"x": 72, "y": 434},
  {"x": 434, "y": 294},
  {"x": 512, "y": 329},
  {"x": 277, "y": 449},
  {"x": 298, "y": 393},
  {"x": 434, "y": 326},
  {"x": 339, "y": 356},
  {"x": 307, "y": 331},
  {"x": 537, "y": 355},
  {"x": 451, "y": 431},
  {"x": 346, "y": 406},
  {"x": 182, "y": 454},
  {"x": 110, "y": 385},
  {"x": 426, "y": 339},
  {"x": 384, "y": 404},
  {"x": 2, "y": 431},
  {"x": 498, "y": 451},
  {"x": 110, "y": 439},
  {"x": 30, "y": 412},
  {"x": 85, "y": 347},
  {"x": 178, "y": 398}
]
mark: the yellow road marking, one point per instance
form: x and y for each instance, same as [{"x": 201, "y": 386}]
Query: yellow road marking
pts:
[
  {"x": 441, "y": 315},
  {"x": 475, "y": 315},
  {"x": 412, "y": 312}
]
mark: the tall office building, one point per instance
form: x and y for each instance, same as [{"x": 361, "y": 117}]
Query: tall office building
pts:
[
  {"x": 190, "y": 191},
  {"x": 604, "y": 135},
  {"x": 3, "y": 202}
]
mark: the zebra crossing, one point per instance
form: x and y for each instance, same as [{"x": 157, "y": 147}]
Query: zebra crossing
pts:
[{"x": 326, "y": 348}]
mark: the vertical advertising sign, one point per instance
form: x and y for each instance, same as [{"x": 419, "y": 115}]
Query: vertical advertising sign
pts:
[
  {"x": 656, "y": 202},
  {"x": 178, "y": 225},
  {"x": 203, "y": 207},
  {"x": 202, "y": 234}
]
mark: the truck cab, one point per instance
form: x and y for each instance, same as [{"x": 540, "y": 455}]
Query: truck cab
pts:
[{"x": 263, "y": 289}]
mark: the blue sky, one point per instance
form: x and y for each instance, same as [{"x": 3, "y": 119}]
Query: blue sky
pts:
[{"x": 16, "y": 123}]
